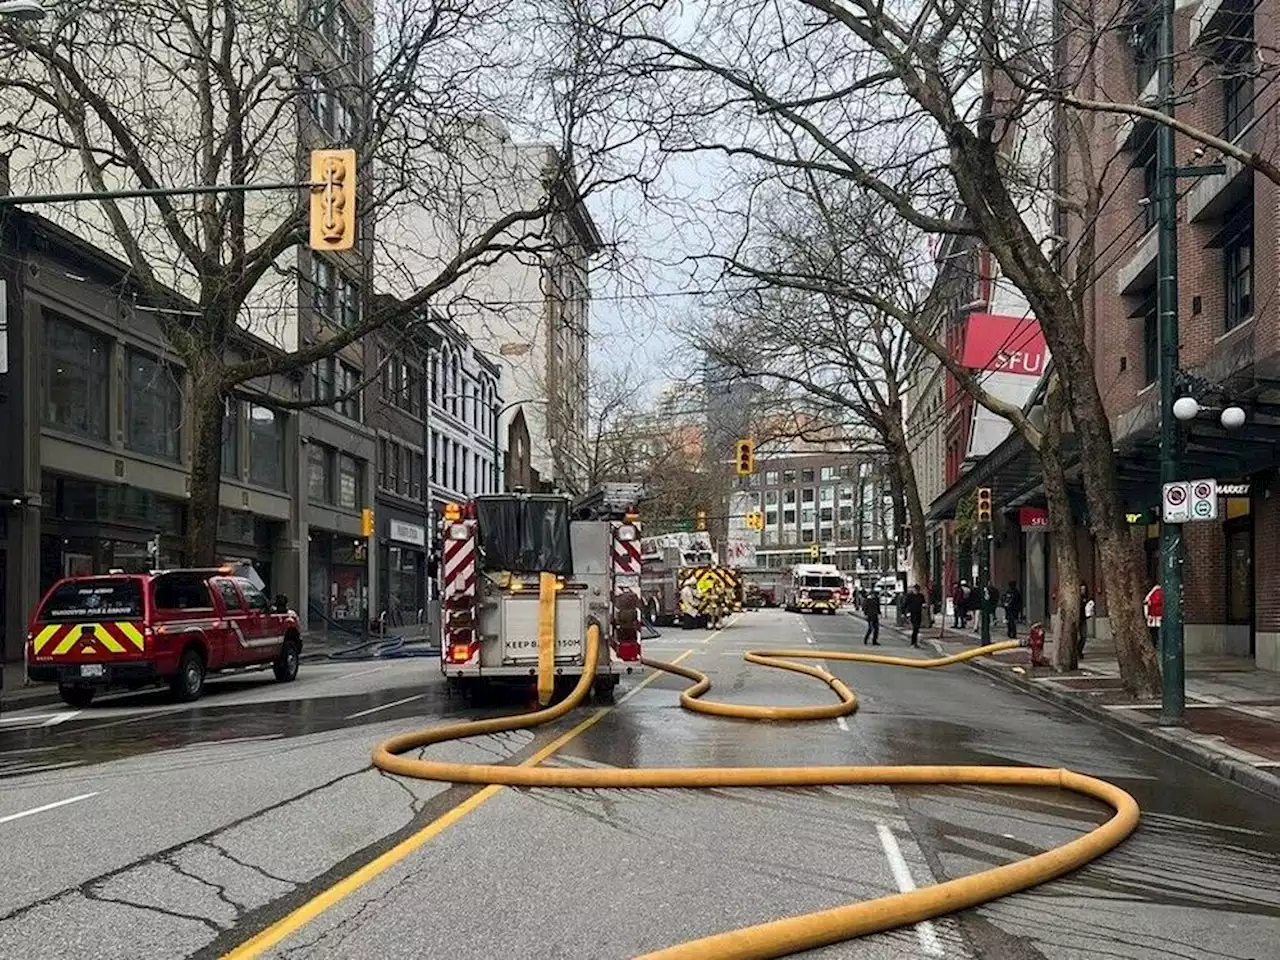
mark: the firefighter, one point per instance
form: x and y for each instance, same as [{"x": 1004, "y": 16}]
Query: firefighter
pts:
[
  {"x": 715, "y": 603},
  {"x": 688, "y": 602}
]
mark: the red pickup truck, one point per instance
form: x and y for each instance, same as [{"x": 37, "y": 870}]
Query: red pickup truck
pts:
[{"x": 174, "y": 627}]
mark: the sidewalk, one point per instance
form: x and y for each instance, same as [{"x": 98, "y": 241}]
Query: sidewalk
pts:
[{"x": 1232, "y": 724}]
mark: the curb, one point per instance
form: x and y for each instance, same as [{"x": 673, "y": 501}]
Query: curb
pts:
[{"x": 1236, "y": 771}]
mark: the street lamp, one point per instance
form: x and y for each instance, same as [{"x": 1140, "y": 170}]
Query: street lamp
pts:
[
  {"x": 1188, "y": 408},
  {"x": 22, "y": 9}
]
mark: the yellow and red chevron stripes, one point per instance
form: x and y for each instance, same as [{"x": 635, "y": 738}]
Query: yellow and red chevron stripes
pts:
[{"x": 58, "y": 639}]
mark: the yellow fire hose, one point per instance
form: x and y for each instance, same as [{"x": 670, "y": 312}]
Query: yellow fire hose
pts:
[{"x": 781, "y": 938}]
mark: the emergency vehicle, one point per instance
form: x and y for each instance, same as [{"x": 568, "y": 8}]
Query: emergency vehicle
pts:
[
  {"x": 522, "y": 577},
  {"x": 812, "y": 586},
  {"x": 167, "y": 626}
]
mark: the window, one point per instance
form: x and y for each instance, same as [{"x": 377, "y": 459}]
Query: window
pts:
[
  {"x": 348, "y": 482},
  {"x": 1144, "y": 40},
  {"x": 435, "y": 457},
  {"x": 393, "y": 467},
  {"x": 324, "y": 280},
  {"x": 806, "y": 516},
  {"x": 788, "y": 477},
  {"x": 827, "y": 495},
  {"x": 807, "y": 495},
  {"x": 231, "y": 440},
  {"x": 1151, "y": 344},
  {"x": 181, "y": 591},
  {"x": 319, "y": 473},
  {"x": 806, "y": 536},
  {"x": 1237, "y": 260},
  {"x": 340, "y": 383},
  {"x": 828, "y": 473},
  {"x": 77, "y": 376},
  {"x": 435, "y": 378},
  {"x": 806, "y": 476},
  {"x": 347, "y": 311},
  {"x": 1237, "y": 78},
  {"x": 153, "y": 407},
  {"x": 846, "y": 513},
  {"x": 771, "y": 478},
  {"x": 382, "y": 462},
  {"x": 332, "y": 21},
  {"x": 254, "y": 598},
  {"x": 329, "y": 109},
  {"x": 266, "y": 446},
  {"x": 415, "y": 474},
  {"x": 789, "y": 517},
  {"x": 99, "y": 597},
  {"x": 825, "y": 513},
  {"x": 455, "y": 473},
  {"x": 771, "y": 497},
  {"x": 230, "y": 596}
]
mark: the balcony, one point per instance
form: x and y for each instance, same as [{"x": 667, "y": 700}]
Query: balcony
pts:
[
  {"x": 1214, "y": 20},
  {"x": 1139, "y": 271},
  {"x": 1135, "y": 132},
  {"x": 1214, "y": 195}
]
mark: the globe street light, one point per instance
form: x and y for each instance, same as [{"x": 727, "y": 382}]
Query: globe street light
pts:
[{"x": 22, "y": 9}]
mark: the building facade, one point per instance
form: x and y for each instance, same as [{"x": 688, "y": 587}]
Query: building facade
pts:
[
  {"x": 528, "y": 310},
  {"x": 92, "y": 415},
  {"x": 436, "y": 420}
]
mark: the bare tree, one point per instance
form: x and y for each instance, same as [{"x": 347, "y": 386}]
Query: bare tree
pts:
[
  {"x": 150, "y": 95},
  {"x": 917, "y": 107}
]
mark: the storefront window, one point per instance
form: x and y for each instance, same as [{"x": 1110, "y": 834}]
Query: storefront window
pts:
[
  {"x": 76, "y": 378},
  {"x": 153, "y": 407},
  {"x": 1239, "y": 575},
  {"x": 266, "y": 446}
]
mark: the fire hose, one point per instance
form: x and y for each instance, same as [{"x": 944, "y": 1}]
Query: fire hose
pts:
[{"x": 781, "y": 938}]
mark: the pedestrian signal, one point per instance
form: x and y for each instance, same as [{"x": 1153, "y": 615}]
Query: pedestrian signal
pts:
[
  {"x": 702, "y": 519},
  {"x": 746, "y": 457},
  {"x": 984, "y": 503},
  {"x": 333, "y": 199}
]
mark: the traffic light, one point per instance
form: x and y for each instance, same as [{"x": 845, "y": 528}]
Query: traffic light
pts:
[
  {"x": 813, "y": 552},
  {"x": 333, "y": 199},
  {"x": 366, "y": 522},
  {"x": 746, "y": 457},
  {"x": 755, "y": 520},
  {"x": 702, "y": 520},
  {"x": 984, "y": 503}
]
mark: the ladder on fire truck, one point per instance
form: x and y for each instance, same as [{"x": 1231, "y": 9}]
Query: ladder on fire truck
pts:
[{"x": 608, "y": 501}]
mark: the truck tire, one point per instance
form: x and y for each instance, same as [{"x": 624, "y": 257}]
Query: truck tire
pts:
[
  {"x": 188, "y": 683},
  {"x": 74, "y": 696},
  {"x": 286, "y": 665},
  {"x": 602, "y": 691}
]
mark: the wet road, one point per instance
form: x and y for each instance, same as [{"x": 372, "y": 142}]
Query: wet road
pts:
[{"x": 191, "y": 828}]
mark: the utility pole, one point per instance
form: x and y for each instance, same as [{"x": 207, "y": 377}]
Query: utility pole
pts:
[{"x": 1173, "y": 691}]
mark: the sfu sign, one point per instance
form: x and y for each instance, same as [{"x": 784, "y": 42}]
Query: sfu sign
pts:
[{"x": 1013, "y": 345}]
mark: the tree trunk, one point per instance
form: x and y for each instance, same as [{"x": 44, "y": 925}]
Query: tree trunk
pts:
[
  {"x": 906, "y": 472},
  {"x": 208, "y": 409},
  {"x": 1063, "y": 530},
  {"x": 976, "y": 167}
]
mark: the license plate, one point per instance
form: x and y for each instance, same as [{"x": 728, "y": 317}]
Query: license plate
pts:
[{"x": 92, "y": 670}]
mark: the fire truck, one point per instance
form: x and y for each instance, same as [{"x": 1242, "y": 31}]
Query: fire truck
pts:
[
  {"x": 524, "y": 575},
  {"x": 667, "y": 562},
  {"x": 813, "y": 586}
]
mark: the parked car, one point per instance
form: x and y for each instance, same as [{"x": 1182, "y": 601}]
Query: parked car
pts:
[{"x": 171, "y": 627}]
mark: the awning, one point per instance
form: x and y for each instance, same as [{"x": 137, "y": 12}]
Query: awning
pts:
[{"x": 1011, "y": 470}]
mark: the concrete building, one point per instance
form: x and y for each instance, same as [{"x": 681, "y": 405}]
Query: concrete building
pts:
[
  {"x": 435, "y": 416},
  {"x": 91, "y": 417},
  {"x": 528, "y": 310}
]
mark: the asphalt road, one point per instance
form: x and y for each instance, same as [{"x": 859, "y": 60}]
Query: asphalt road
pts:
[{"x": 182, "y": 831}]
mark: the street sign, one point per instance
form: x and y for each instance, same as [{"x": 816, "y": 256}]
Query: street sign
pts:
[
  {"x": 1204, "y": 499},
  {"x": 1176, "y": 502}
]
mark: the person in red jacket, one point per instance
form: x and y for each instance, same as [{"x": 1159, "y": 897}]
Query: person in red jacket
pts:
[{"x": 1153, "y": 607}]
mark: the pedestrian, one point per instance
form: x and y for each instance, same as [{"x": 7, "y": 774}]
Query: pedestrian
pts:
[
  {"x": 1153, "y": 609},
  {"x": 957, "y": 605},
  {"x": 913, "y": 606},
  {"x": 1086, "y": 607},
  {"x": 871, "y": 610},
  {"x": 1012, "y": 602}
]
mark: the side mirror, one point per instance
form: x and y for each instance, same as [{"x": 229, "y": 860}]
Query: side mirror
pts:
[{"x": 280, "y": 604}]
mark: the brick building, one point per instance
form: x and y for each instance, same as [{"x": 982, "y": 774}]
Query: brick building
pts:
[{"x": 1229, "y": 338}]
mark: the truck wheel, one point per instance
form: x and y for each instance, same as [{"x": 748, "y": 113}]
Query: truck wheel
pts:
[
  {"x": 602, "y": 691},
  {"x": 286, "y": 665},
  {"x": 188, "y": 683},
  {"x": 74, "y": 696}
]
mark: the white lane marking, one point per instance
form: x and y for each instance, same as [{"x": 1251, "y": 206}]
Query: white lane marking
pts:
[
  {"x": 840, "y": 722},
  {"x": 62, "y": 718},
  {"x": 385, "y": 706},
  {"x": 44, "y": 719},
  {"x": 47, "y": 806},
  {"x": 925, "y": 932}
]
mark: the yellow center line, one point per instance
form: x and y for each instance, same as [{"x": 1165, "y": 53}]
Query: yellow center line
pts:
[{"x": 294, "y": 921}]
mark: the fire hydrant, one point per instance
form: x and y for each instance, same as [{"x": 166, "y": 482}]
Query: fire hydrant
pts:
[{"x": 1035, "y": 640}]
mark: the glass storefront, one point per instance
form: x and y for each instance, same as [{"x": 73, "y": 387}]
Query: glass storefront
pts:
[{"x": 337, "y": 578}]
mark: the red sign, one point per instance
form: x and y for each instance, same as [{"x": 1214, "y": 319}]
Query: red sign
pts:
[
  {"x": 1008, "y": 344},
  {"x": 1033, "y": 518}
]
